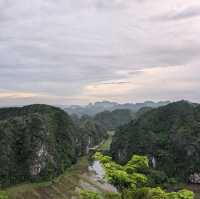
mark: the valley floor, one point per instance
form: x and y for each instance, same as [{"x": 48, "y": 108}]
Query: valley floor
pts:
[
  {"x": 66, "y": 186},
  {"x": 195, "y": 189}
]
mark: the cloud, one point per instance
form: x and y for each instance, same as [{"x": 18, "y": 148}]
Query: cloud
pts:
[
  {"x": 181, "y": 14},
  {"x": 115, "y": 83},
  {"x": 84, "y": 50},
  {"x": 174, "y": 83},
  {"x": 15, "y": 95}
]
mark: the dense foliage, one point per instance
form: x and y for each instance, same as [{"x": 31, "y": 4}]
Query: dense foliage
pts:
[
  {"x": 114, "y": 119},
  {"x": 169, "y": 136},
  {"x": 3, "y": 195},
  {"x": 85, "y": 194},
  {"x": 91, "y": 134},
  {"x": 89, "y": 195},
  {"x": 38, "y": 142},
  {"x": 132, "y": 179}
]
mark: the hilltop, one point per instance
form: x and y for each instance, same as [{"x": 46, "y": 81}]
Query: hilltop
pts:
[
  {"x": 169, "y": 136},
  {"x": 38, "y": 142}
]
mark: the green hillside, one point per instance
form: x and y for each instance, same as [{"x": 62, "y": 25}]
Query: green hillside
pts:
[
  {"x": 169, "y": 136},
  {"x": 111, "y": 120},
  {"x": 39, "y": 142}
]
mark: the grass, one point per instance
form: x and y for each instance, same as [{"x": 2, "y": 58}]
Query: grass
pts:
[
  {"x": 60, "y": 188},
  {"x": 105, "y": 146},
  {"x": 20, "y": 189},
  {"x": 65, "y": 186}
]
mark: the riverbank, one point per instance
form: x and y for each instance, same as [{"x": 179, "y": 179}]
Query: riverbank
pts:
[
  {"x": 105, "y": 146},
  {"x": 82, "y": 175},
  {"x": 85, "y": 175},
  {"x": 195, "y": 189},
  {"x": 66, "y": 186}
]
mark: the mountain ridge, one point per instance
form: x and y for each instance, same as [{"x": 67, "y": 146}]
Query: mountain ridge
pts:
[
  {"x": 97, "y": 107},
  {"x": 38, "y": 142},
  {"x": 168, "y": 134}
]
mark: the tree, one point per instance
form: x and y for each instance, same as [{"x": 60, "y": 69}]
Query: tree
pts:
[
  {"x": 137, "y": 164},
  {"x": 89, "y": 195},
  {"x": 183, "y": 194},
  {"x": 3, "y": 195},
  {"x": 131, "y": 180},
  {"x": 111, "y": 195}
]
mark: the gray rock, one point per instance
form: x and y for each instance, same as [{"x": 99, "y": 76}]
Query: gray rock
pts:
[{"x": 194, "y": 178}]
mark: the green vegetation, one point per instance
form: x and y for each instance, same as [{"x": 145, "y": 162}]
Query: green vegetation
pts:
[
  {"x": 89, "y": 195},
  {"x": 168, "y": 135},
  {"x": 58, "y": 188},
  {"x": 39, "y": 142},
  {"x": 68, "y": 185},
  {"x": 114, "y": 119},
  {"x": 3, "y": 195},
  {"x": 105, "y": 146},
  {"x": 132, "y": 179},
  {"x": 91, "y": 134},
  {"x": 36, "y": 142},
  {"x": 85, "y": 194},
  {"x": 71, "y": 182}
]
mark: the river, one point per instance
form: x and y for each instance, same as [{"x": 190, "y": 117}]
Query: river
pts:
[
  {"x": 97, "y": 173},
  {"x": 84, "y": 175}
]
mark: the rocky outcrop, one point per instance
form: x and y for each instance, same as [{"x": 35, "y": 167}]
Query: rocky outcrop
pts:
[
  {"x": 39, "y": 162},
  {"x": 168, "y": 135},
  {"x": 39, "y": 142},
  {"x": 36, "y": 142},
  {"x": 194, "y": 178},
  {"x": 92, "y": 134}
]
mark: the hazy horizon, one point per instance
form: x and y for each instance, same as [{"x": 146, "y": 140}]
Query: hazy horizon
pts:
[
  {"x": 81, "y": 51},
  {"x": 94, "y": 103}
]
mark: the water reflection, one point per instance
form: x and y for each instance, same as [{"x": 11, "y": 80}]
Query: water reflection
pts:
[
  {"x": 98, "y": 174},
  {"x": 98, "y": 169}
]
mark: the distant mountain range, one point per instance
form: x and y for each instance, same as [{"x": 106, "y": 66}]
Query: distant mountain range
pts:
[{"x": 93, "y": 109}]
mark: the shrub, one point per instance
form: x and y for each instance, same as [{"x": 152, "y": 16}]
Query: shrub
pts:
[
  {"x": 89, "y": 195},
  {"x": 137, "y": 164},
  {"x": 111, "y": 195},
  {"x": 3, "y": 195}
]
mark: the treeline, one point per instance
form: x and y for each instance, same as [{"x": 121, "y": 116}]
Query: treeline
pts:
[{"x": 111, "y": 120}]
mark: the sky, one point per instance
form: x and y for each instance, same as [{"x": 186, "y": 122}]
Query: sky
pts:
[{"x": 81, "y": 51}]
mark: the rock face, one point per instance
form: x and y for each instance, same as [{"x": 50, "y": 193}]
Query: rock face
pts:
[
  {"x": 170, "y": 134},
  {"x": 38, "y": 142},
  {"x": 195, "y": 178},
  {"x": 39, "y": 162},
  {"x": 91, "y": 134}
]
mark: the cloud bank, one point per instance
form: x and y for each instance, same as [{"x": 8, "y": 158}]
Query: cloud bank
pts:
[{"x": 77, "y": 51}]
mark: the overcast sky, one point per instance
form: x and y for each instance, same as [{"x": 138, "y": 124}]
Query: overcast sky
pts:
[{"x": 80, "y": 51}]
